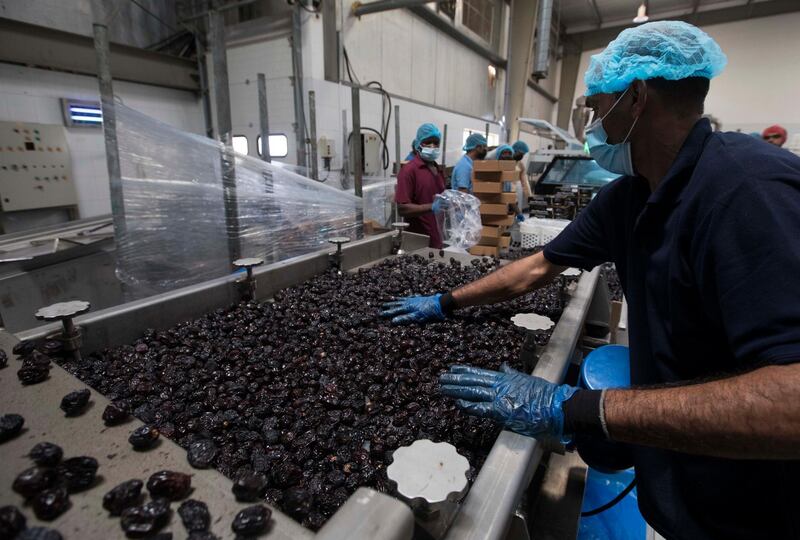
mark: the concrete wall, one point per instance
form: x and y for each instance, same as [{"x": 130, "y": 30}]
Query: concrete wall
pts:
[
  {"x": 32, "y": 95},
  {"x": 130, "y": 25},
  {"x": 759, "y": 85}
]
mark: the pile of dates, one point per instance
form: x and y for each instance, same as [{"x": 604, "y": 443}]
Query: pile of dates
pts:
[
  {"x": 303, "y": 399},
  {"x": 612, "y": 279}
]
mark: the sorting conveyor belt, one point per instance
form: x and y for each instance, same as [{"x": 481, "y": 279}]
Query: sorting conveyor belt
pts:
[{"x": 485, "y": 513}]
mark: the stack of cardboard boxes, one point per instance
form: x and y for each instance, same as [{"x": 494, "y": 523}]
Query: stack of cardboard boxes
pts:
[{"x": 489, "y": 177}]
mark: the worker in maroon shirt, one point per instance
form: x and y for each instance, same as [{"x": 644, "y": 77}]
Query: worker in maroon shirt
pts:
[{"x": 418, "y": 183}]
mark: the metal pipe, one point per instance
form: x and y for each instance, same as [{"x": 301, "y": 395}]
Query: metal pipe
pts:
[
  {"x": 205, "y": 95},
  {"x": 263, "y": 117},
  {"x": 312, "y": 127},
  {"x": 486, "y": 133},
  {"x": 101, "y": 47},
  {"x": 358, "y": 166},
  {"x": 345, "y": 152},
  {"x": 541, "y": 64},
  {"x": 396, "y": 141},
  {"x": 358, "y": 9},
  {"x": 222, "y": 98},
  {"x": 444, "y": 147},
  {"x": 297, "y": 78},
  {"x": 487, "y": 511},
  {"x": 219, "y": 66}
]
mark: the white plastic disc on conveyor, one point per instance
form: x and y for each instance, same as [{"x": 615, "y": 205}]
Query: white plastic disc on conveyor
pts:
[
  {"x": 248, "y": 262},
  {"x": 569, "y": 272},
  {"x": 532, "y": 321},
  {"x": 428, "y": 474},
  {"x": 62, "y": 310},
  {"x": 338, "y": 240}
]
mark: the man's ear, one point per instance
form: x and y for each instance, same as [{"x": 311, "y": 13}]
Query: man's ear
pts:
[{"x": 638, "y": 97}]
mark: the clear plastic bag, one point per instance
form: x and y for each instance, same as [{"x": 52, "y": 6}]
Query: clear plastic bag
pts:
[
  {"x": 176, "y": 229},
  {"x": 460, "y": 221}
]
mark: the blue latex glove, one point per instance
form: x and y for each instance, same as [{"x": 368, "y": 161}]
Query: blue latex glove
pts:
[
  {"x": 520, "y": 218},
  {"x": 414, "y": 309},
  {"x": 440, "y": 204},
  {"x": 528, "y": 405}
]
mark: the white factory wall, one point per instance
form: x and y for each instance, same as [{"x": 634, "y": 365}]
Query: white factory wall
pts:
[
  {"x": 413, "y": 59},
  {"x": 32, "y": 95},
  {"x": 759, "y": 85}
]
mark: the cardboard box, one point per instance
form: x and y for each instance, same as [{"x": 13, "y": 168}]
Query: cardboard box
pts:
[
  {"x": 492, "y": 209},
  {"x": 479, "y": 187},
  {"x": 494, "y": 165}
]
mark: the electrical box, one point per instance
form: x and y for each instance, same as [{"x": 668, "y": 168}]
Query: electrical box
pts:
[
  {"x": 35, "y": 167},
  {"x": 372, "y": 154},
  {"x": 326, "y": 147}
]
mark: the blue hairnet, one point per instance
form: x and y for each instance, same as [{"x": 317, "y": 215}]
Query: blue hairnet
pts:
[
  {"x": 671, "y": 50},
  {"x": 426, "y": 131},
  {"x": 503, "y": 148},
  {"x": 475, "y": 139},
  {"x": 521, "y": 147}
]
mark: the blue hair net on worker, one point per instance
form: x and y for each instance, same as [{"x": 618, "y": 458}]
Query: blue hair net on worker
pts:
[
  {"x": 475, "y": 139},
  {"x": 503, "y": 148},
  {"x": 670, "y": 50},
  {"x": 426, "y": 131},
  {"x": 520, "y": 147}
]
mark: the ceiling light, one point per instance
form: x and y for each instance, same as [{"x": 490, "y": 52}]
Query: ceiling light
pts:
[{"x": 641, "y": 15}]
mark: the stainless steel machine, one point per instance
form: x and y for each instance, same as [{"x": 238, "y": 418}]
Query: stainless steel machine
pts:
[{"x": 486, "y": 510}]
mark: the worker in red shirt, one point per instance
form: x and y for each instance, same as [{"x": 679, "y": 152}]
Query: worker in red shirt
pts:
[{"x": 418, "y": 183}]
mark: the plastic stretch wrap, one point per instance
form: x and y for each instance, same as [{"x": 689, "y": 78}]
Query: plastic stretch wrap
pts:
[
  {"x": 460, "y": 222},
  {"x": 179, "y": 229}
]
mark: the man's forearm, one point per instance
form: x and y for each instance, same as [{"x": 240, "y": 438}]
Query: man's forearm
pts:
[
  {"x": 413, "y": 210},
  {"x": 754, "y": 415},
  {"x": 508, "y": 282}
]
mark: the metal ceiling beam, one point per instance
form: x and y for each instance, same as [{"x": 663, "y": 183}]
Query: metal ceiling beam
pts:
[
  {"x": 596, "y": 10},
  {"x": 431, "y": 17},
  {"x": 39, "y": 46},
  {"x": 594, "y": 39},
  {"x": 358, "y": 9}
]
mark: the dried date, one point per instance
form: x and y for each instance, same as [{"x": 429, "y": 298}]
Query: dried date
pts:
[
  {"x": 201, "y": 453},
  {"x": 252, "y": 520},
  {"x": 10, "y": 426},
  {"x": 50, "y": 503},
  {"x": 115, "y": 414},
  {"x": 122, "y": 496},
  {"x": 145, "y": 520},
  {"x": 143, "y": 437},
  {"x": 249, "y": 486},
  {"x": 194, "y": 515},
  {"x": 34, "y": 480},
  {"x": 46, "y": 454},
  {"x": 12, "y": 521},
  {"x": 75, "y": 402},
  {"x": 78, "y": 473},
  {"x": 169, "y": 485}
]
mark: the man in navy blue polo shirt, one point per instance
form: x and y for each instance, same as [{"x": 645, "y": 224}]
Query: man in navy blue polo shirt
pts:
[{"x": 704, "y": 229}]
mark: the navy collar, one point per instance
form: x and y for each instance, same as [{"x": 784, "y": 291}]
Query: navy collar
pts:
[{"x": 670, "y": 190}]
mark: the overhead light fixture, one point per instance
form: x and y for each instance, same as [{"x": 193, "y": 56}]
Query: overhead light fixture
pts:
[
  {"x": 641, "y": 15},
  {"x": 79, "y": 113}
]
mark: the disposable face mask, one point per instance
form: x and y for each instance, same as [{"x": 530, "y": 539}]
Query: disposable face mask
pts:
[
  {"x": 615, "y": 158},
  {"x": 429, "y": 153}
]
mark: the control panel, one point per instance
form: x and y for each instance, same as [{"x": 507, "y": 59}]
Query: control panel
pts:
[{"x": 35, "y": 167}]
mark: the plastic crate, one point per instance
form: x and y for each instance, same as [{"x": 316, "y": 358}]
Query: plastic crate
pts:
[{"x": 538, "y": 232}]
